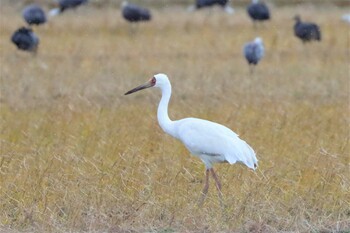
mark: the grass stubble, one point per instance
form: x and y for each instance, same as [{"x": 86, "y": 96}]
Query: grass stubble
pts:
[{"x": 77, "y": 155}]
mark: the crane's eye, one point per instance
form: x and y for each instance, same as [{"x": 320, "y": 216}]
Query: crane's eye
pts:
[{"x": 153, "y": 81}]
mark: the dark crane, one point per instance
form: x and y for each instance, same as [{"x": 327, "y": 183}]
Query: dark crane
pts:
[
  {"x": 34, "y": 14},
  {"x": 199, "y": 4},
  {"x": 253, "y": 52},
  {"x": 64, "y": 5},
  {"x": 25, "y": 39},
  {"x": 306, "y": 32},
  {"x": 258, "y": 11},
  {"x": 134, "y": 13}
]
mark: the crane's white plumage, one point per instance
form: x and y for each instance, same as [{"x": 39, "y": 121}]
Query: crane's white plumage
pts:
[
  {"x": 213, "y": 143},
  {"x": 210, "y": 141}
]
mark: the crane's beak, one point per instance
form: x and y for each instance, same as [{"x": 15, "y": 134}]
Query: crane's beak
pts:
[{"x": 141, "y": 87}]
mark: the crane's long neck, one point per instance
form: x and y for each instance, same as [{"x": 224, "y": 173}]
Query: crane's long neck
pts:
[{"x": 163, "y": 118}]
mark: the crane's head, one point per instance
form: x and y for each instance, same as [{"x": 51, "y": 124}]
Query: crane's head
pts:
[
  {"x": 124, "y": 4},
  {"x": 258, "y": 40},
  {"x": 297, "y": 18},
  {"x": 157, "y": 80}
]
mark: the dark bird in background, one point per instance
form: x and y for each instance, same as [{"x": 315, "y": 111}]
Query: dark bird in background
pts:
[
  {"x": 25, "y": 39},
  {"x": 134, "y": 13},
  {"x": 199, "y": 4},
  {"x": 64, "y": 5},
  {"x": 306, "y": 31},
  {"x": 253, "y": 52},
  {"x": 34, "y": 14},
  {"x": 258, "y": 11}
]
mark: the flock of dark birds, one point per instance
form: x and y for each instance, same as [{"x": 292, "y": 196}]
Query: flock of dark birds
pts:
[{"x": 25, "y": 39}]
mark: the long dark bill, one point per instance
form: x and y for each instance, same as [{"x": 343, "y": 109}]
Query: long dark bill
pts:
[{"x": 139, "y": 88}]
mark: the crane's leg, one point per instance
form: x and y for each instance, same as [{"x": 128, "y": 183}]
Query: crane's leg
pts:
[
  {"x": 205, "y": 189},
  {"x": 217, "y": 181},
  {"x": 133, "y": 29},
  {"x": 255, "y": 25},
  {"x": 251, "y": 69},
  {"x": 218, "y": 185}
]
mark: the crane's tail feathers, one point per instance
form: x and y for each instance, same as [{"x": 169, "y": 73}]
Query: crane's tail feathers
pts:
[{"x": 243, "y": 153}]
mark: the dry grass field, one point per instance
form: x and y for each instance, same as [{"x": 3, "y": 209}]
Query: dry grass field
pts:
[{"x": 79, "y": 156}]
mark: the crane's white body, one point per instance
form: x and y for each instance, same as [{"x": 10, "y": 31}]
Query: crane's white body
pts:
[{"x": 211, "y": 142}]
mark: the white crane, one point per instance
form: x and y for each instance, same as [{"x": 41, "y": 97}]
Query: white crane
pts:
[{"x": 211, "y": 142}]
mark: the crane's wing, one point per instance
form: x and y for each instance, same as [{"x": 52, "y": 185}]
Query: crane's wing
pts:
[{"x": 203, "y": 137}]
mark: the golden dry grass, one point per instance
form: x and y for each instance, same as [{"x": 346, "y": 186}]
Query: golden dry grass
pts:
[{"x": 77, "y": 155}]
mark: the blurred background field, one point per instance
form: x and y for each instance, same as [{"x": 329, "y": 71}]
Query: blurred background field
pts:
[{"x": 77, "y": 155}]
